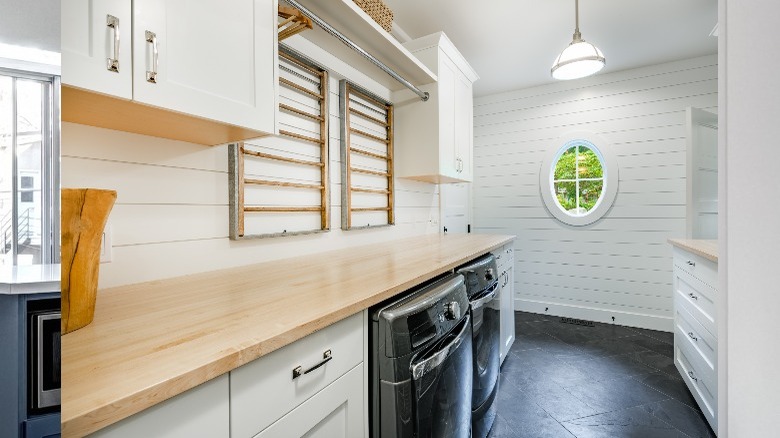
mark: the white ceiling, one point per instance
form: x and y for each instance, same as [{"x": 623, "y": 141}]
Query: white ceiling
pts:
[
  {"x": 31, "y": 23},
  {"x": 513, "y": 43}
]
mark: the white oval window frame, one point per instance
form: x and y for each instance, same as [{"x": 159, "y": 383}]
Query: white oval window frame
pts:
[{"x": 611, "y": 178}]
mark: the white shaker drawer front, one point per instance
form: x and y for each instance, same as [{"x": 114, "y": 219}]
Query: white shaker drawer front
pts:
[
  {"x": 264, "y": 390},
  {"x": 700, "y": 340},
  {"x": 698, "y": 297},
  {"x": 504, "y": 257},
  {"x": 701, "y": 268},
  {"x": 702, "y": 389},
  {"x": 334, "y": 412}
]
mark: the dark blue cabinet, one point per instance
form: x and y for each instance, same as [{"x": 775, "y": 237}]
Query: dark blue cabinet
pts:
[{"x": 43, "y": 426}]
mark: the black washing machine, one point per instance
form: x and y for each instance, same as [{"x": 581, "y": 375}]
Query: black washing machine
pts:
[
  {"x": 421, "y": 363},
  {"x": 482, "y": 289}
]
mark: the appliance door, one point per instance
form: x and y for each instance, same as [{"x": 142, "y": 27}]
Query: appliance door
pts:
[
  {"x": 441, "y": 379},
  {"x": 486, "y": 326},
  {"x": 45, "y": 364}
]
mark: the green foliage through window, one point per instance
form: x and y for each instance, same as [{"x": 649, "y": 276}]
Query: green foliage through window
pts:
[{"x": 578, "y": 179}]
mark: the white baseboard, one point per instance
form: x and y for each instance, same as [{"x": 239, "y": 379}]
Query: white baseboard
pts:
[{"x": 639, "y": 320}]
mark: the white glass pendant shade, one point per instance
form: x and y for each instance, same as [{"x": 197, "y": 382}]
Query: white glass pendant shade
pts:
[{"x": 578, "y": 60}]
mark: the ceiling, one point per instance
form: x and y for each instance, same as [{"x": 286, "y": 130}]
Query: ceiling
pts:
[
  {"x": 513, "y": 43},
  {"x": 31, "y": 23}
]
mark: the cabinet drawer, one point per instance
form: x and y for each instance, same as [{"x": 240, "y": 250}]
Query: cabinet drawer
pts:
[
  {"x": 263, "y": 391},
  {"x": 699, "y": 267},
  {"x": 703, "y": 391},
  {"x": 334, "y": 412},
  {"x": 504, "y": 257},
  {"x": 697, "y": 297},
  {"x": 696, "y": 341}
]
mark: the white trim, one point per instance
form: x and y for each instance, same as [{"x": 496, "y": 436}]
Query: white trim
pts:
[
  {"x": 611, "y": 178},
  {"x": 664, "y": 324}
]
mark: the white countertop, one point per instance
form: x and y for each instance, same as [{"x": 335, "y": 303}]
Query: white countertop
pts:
[{"x": 32, "y": 279}]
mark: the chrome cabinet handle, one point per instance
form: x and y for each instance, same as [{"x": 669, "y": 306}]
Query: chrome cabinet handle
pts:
[
  {"x": 690, "y": 335},
  {"x": 112, "y": 64},
  {"x": 298, "y": 371},
  {"x": 693, "y": 296},
  {"x": 691, "y": 263},
  {"x": 151, "y": 75},
  {"x": 690, "y": 373}
]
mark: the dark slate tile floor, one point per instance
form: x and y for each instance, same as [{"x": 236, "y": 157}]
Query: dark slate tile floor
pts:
[{"x": 565, "y": 380}]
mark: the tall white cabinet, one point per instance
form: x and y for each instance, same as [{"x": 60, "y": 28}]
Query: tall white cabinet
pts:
[
  {"x": 505, "y": 261},
  {"x": 434, "y": 140},
  {"x": 213, "y": 60}
]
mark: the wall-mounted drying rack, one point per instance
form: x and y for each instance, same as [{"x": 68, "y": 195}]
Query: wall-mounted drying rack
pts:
[
  {"x": 293, "y": 22},
  {"x": 367, "y": 195},
  {"x": 352, "y": 45},
  {"x": 261, "y": 189}
]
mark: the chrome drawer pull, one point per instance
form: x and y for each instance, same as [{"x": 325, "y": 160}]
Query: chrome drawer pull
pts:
[
  {"x": 151, "y": 75},
  {"x": 690, "y": 335},
  {"x": 690, "y": 373},
  {"x": 326, "y": 357},
  {"x": 691, "y": 263},
  {"x": 693, "y": 296},
  {"x": 112, "y": 64}
]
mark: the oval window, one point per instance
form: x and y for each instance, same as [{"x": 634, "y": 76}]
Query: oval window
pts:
[{"x": 579, "y": 181}]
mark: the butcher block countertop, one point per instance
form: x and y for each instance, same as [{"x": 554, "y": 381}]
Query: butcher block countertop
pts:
[
  {"x": 152, "y": 341},
  {"x": 705, "y": 248}
]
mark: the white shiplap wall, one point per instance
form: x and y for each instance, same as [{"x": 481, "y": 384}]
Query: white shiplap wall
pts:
[
  {"x": 171, "y": 214},
  {"x": 619, "y": 266}
]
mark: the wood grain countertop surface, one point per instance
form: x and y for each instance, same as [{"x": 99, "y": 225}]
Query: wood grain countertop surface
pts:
[
  {"x": 152, "y": 341},
  {"x": 705, "y": 248}
]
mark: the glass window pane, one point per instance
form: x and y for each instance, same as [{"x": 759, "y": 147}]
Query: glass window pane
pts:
[
  {"x": 590, "y": 192},
  {"x": 566, "y": 195},
  {"x": 29, "y": 162},
  {"x": 565, "y": 167},
  {"x": 589, "y": 165},
  {"x": 6, "y": 170}
]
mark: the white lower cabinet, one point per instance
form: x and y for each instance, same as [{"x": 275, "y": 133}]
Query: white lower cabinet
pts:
[
  {"x": 335, "y": 412},
  {"x": 506, "y": 278},
  {"x": 695, "y": 329},
  {"x": 263, "y": 393},
  {"x": 203, "y": 411}
]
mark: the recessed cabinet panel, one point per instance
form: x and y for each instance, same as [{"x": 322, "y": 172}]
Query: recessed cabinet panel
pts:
[
  {"x": 211, "y": 59},
  {"x": 95, "y": 43}
]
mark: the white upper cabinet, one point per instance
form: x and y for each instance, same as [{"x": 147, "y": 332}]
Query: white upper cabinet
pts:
[
  {"x": 211, "y": 60},
  {"x": 96, "y": 51},
  {"x": 434, "y": 140}
]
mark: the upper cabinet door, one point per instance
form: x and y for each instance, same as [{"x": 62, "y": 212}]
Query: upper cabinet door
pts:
[
  {"x": 210, "y": 58},
  {"x": 464, "y": 126},
  {"x": 96, "y": 50},
  {"x": 448, "y": 158}
]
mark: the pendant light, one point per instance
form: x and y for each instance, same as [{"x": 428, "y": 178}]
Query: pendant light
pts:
[{"x": 580, "y": 58}]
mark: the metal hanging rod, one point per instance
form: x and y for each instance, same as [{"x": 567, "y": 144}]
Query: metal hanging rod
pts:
[{"x": 341, "y": 37}]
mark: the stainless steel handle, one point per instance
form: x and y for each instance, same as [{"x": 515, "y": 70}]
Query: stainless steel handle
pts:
[
  {"x": 476, "y": 304},
  {"x": 298, "y": 371},
  {"x": 691, "y": 335},
  {"x": 690, "y": 373},
  {"x": 424, "y": 367},
  {"x": 693, "y": 296},
  {"x": 691, "y": 263},
  {"x": 112, "y": 64},
  {"x": 151, "y": 75}
]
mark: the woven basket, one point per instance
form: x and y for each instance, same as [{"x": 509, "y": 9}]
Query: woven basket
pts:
[{"x": 378, "y": 11}]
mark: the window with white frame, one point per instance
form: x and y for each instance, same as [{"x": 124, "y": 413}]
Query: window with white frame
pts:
[{"x": 29, "y": 168}]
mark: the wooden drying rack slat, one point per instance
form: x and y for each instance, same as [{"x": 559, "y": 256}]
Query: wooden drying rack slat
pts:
[
  {"x": 368, "y": 153},
  {"x": 266, "y": 182},
  {"x": 292, "y": 84},
  {"x": 301, "y": 137},
  {"x": 364, "y": 190},
  {"x": 281, "y": 158},
  {"x": 300, "y": 64},
  {"x": 371, "y": 136},
  {"x": 283, "y": 209},
  {"x": 346, "y": 111},
  {"x": 300, "y": 112},
  {"x": 368, "y": 117},
  {"x": 369, "y": 172}
]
